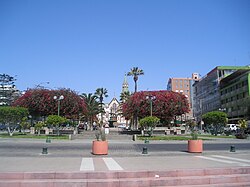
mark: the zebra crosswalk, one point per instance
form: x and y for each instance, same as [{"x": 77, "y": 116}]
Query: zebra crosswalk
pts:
[
  {"x": 87, "y": 164},
  {"x": 111, "y": 164},
  {"x": 93, "y": 164},
  {"x": 226, "y": 159}
]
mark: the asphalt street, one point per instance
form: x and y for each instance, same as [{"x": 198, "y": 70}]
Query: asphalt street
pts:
[{"x": 121, "y": 148}]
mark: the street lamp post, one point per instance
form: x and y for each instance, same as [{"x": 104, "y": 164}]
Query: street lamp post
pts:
[
  {"x": 58, "y": 99},
  {"x": 40, "y": 85},
  {"x": 222, "y": 109},
  {"x": 151, "y": 98}
]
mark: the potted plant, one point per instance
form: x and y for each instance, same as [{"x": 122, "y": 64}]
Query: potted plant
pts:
[
  {"x": 195, "y": 145},
  {"x": 100, "y": 145}
]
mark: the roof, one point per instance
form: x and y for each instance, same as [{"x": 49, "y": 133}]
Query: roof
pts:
[
  {"x": 114, "y": 99},
  {"x": 234, "y": 75},
  {"x": 228, "y": 68}
]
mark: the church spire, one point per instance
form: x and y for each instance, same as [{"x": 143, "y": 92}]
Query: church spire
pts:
[{"x": 125, "y": 84}]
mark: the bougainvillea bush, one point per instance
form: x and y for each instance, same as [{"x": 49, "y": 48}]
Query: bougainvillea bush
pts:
[
  {"x": 41, "y": 102},
  {"x": 165, "y": 105}
]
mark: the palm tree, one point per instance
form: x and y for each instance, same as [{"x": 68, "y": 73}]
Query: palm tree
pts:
[
  {"x": 124, "y": 97},
  {"x": 101, "y": 93},
  {"x": 135, "y": 72},
  {"x": 92, "y": 107}
]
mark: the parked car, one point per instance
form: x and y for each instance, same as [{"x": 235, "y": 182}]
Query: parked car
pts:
[
  {"x": 2, "y": 127},
  {"x": 231, "y": 127},
  {"x": 122, "y": 126}
]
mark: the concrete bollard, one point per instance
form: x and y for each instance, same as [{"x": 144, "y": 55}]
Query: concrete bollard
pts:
[
  {"x": 232, "y": 148},
  {"x": 146, "y": 141},
  {"x": 134, "y": 137},
  {"x": 45, "y": 151},
  {"x": 48, "y": 140},
  {"x": 70, "y": 137},
  {"x": 144, "y": 150}
]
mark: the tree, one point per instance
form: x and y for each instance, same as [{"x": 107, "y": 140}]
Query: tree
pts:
[
  {"x": 165, "y": 105},
  {"x": 124, "y": 97},
  {"x": 101, "y": 93},
  {"x": 56, "y": 121},
  {"x": 24, "y": 124},
  {"x": 12, "y": 117},
  {"x": 38, "y": 126},
  {"x": 191, "y": 124},
  {"x": 41, "y": 102},
  {"x": 135, "y": 72},
  {"x": 149, "y": 123},
  {"x": 92, "y": 107},
  {"x": 8, "y": 92},
  {"x": 215, "y": 120}
]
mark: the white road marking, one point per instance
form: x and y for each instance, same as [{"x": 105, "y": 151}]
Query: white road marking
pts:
[
  {"x": 87, "y": 164},
  {"x": 112, "y": 164},
  {"x": 223, "y": 161},
  {"x": 215, "y": 159},
  {"x": 231, "y": 158}
]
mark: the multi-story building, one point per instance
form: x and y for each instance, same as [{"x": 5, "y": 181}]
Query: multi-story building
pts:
[
  {"x": 235, "y": 95},
  {"x": 184, "y": 86},
  {"x": 207, "y": 90},
  {"x": 8, "y": 93}
]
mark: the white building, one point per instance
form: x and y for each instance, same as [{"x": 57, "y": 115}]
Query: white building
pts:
[
  {"x": 7, "y": 94},
  {"x": 113, "y": 113}
]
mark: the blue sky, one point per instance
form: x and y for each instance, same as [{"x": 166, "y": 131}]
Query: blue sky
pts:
[{"x": 87, "y": 44}]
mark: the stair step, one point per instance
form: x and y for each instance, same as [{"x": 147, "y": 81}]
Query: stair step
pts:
[
  {"x": 125, "y": 174},
  {"x": 189, "y": 177},
  {"x": 241, "y": 184},
  {"x": 122, "y": 182}
]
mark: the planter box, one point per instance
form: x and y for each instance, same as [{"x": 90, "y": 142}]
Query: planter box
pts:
[
  {"x": 195, "y": 146},
  {"x": 100, "y": 147}
]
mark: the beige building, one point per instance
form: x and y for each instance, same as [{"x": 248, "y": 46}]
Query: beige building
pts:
[{"x": 184, "y": 86}]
